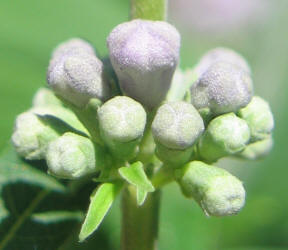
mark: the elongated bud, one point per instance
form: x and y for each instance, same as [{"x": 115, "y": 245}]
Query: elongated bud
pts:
[
  {"x": 223, "y": 88},
  {"x": 77, "y": 77},
  {"x": 258, "y": 149},
  {"x": 31, "y": 136},
  {"x": 259, "y": 117},
  {"x": 221, "y": 55},
  {"x": 225, "y": 135},
  {"x": 144, "y": 55},
  {"x": 71, "y": 156},
  {"x": 122, "y": 122},
  {"x": 177, "y": 125},
  {"x": 217, "y": 192},
  {"x": 45, "y": 97}
]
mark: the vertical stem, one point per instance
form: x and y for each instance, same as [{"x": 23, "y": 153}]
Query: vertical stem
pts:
[
  {"x": 148, "y": 9},
  {"x": 139, "y": 224}
]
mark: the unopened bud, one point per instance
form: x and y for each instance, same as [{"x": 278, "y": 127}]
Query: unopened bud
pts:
[
  {"x": 259, "y": 118},
  {"x": 31, "y": 136},
  {"x": 221, "y": 55},
  {"x": 73, "y": 46},
  {"x": 177, "y": 125},
  {"x": 222, "y": 88},
  {"x": 173, "y": 157},
  {"x": 258, "y": 149},
  {"x": 122, "y": 122},
  {"x": 144, "y": 55},
  {"x": 77, "y": 77},
  {"x": 217, "y": 192},
  {"x": 225, "y": 135},
  {"x": 71, "y": 156}
]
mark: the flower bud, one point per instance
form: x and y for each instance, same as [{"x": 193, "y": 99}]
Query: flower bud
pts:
[
  {"x": 71, "y": 156},
  {"x": 223, "y": 88},
  {"x": 122, "y": 122},
  {"x": 221, "y": 55},
  {"x": 217, "y": 192},
  {"x": 77, "y": 78},
  {"x": 259, "y": 118},
  {"x": 73, "y": 46},
  {"x": 177, "y": 125},
  {"x": 225, "y": 135},
  {"x": 144, "y": 55},
  {"x": 45, "y": 97},
  {"x": 31, "y": 136},
  {"x": 258, "y": 149},
  {"x": 173, "y": 157}
]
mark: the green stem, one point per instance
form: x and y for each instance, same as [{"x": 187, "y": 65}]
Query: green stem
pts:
[
  {"x": 139, "y": 224},
  {"x": 148, "y": 9}
]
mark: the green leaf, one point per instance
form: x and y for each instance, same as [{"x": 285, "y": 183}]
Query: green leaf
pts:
[
  {"x": 15, "y": 171},
  {"x": 61, "y": 120},
  {"x": 136, "y": 176},
  {"x": 100, "y": 203},
  {"x": 57, "y": 216}
]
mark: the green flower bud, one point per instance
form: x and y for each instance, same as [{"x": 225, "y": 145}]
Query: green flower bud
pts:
[
  {"x": 259, "y": 117},
  {"x": 177, "y": 125},
  {"x": 144, "y": 55},
  {"x": 173, "y": 157},
  {"x": 225, "y": 135},
  {"x": 258, "y": 149},
  {"x": 122, "y": 122},
  {"x": 221, "y": 55},
  {"x": 71, "y": 156},
  {"x": 31, "y": 136},
  {"x": 77, "y": 77},
  {"x": 223, "y": 88},
  {"x": 217, "y": 192},
  {"x": 44, "y": 97}
]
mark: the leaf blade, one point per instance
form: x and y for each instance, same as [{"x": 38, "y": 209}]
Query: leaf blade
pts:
[
  {"x": 100, "y": 203},
  {"x": 136, "y": 176}
]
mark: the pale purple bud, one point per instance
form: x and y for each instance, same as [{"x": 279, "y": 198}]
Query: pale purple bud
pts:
[
  {"x": 75, "y": 46},
  {"x": 221, "y": 55},
  {"x": 77, "y": 78},
  {"x": 223, "y": 88},
  {"x": 144, "y": 55}
]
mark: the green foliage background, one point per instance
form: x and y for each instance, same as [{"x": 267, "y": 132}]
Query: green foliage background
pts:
[{"x": 28, "y": 32}]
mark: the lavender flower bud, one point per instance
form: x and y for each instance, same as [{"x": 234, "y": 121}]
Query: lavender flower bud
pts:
[
  {"x": 71, "y": 156},
  {"x": 221, "y": 55},
  {"x": 225, "y": 135},
  {"x": 73, "y": 46},
  {"x": 31, "y": 136},
  {"x": 177, "y": 125},
  {"x": 223, "y": 88},
  {"x": 217, "y": 192},
  {"x": 122, "y": 122},
  {"x": 78, "y": 78},
  {"x": 144, "y": 55},
  {"x": 259, "y": 118}
]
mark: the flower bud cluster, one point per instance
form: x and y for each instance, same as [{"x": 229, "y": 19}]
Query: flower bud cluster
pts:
[{"x": 216, "y": 116}]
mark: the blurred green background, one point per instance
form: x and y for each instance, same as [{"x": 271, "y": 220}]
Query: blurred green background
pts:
[{"x": 30, "y": 29}]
